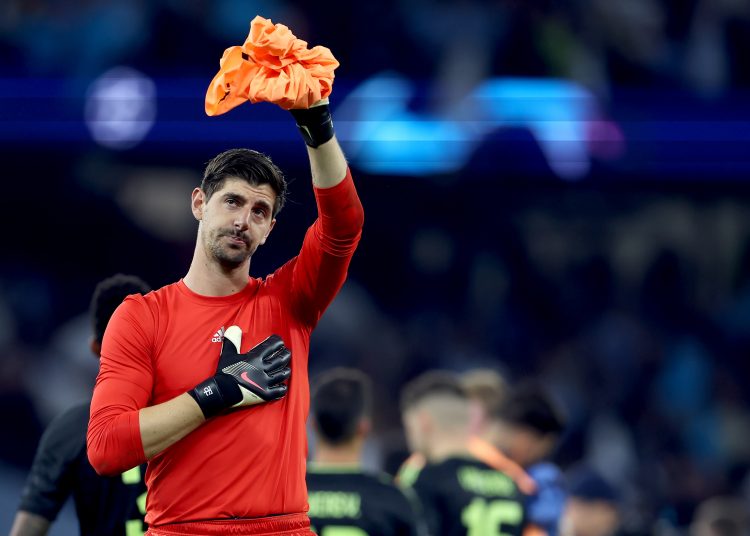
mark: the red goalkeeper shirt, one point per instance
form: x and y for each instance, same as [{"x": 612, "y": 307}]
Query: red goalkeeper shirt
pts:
[{"x": 249, "y": 463}]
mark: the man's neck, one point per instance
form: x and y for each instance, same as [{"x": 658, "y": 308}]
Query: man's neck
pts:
[
  {"x": 209, "y": 278},
  {"x": 339, "y": 455},
  {"x": 492, "y": 435},
  {"x": 449, "y": 447}
]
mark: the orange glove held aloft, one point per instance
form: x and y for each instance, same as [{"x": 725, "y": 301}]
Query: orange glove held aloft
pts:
[{"x": 272, "y": 66}]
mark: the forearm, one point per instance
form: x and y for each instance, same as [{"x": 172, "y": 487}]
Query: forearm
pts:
[
  {"x": 165, "y": 424},
  {"x": 327, "y": 164},
  {"x": 28, "y": 524},
  {"x": 327, "y": 161},
  {"x": 119, "y": 440}
]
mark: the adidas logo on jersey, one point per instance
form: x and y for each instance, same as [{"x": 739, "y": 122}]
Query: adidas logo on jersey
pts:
[{"x": 219, "y": 335}]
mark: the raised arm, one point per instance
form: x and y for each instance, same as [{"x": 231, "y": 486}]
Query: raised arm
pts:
[
  {"x": 320, "y": 269},
  {"x": 327, "y": 164}
]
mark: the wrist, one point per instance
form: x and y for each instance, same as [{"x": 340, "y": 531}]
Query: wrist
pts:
[
  {"x": 216, "y": 394},
  {"x": 315, "y": 124}
]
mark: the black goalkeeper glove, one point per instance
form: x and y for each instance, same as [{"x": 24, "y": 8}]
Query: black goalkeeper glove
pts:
[
  {"x": 315, "y": 123},
  {"x": 244, "y": 379}
]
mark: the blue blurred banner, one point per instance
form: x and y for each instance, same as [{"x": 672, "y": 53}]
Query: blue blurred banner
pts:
[{"x": 528, "y": 126}]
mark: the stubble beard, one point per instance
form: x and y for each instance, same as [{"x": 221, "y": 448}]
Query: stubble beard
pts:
[{"x": 227, "y": 257}]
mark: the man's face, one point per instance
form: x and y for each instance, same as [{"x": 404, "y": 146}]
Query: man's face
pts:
[
  {"x": 235, "y": 220},
  {"x": 523, "y": 445},
  {"x": 589, "y": 518}
]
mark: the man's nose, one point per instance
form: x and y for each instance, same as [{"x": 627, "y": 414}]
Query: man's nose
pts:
[{"x": 241, "y": 222}]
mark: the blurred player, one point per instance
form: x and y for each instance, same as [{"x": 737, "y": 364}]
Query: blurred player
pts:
[
  {"x": 530, "y": 426},
  {"x": 721, "y": 516},
  {"x": 592, "y": 508},
  {"x": 104, "y": 505},
  {"x": 174, "y": 362},
  {"x": 460, "y": 495},
  {"x": 488, "y": 391},
  {"x": 344, "y": 499}
]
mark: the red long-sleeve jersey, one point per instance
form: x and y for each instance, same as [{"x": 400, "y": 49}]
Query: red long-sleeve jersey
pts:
[{"x": 249, "y": 463}]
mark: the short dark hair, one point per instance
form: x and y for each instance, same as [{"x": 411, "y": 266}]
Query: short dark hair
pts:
[
  {"x": 108, "y": 295},
  {"x": 341, "y": 397},
  {"x": 252, "y": 166},
  {"x": 432, "y": 383},
  {"x": 587, "y": 484},
  {"x": 530, "y": 405}
]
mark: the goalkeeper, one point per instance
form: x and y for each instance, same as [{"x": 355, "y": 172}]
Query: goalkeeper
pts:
[{"x": 207, "y": 378}]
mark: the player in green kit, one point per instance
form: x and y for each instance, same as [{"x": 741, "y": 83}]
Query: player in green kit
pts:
[
  {"x": 460, "y": 494},
  {"x": 345, "y": 500}
]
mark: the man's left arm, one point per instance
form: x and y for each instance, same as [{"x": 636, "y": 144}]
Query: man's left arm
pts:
[
  {"x": 327, "y": 162},
  {"x": 321, "y": 267}
]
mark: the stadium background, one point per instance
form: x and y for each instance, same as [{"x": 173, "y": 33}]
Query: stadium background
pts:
[{"x": 557, "y": 189}]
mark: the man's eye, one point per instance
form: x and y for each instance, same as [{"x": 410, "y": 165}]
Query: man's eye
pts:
[
  {"x": 259, "y": 212},
  {"x": 231, "y": 201}
]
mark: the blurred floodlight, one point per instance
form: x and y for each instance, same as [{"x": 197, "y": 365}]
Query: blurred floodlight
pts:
[
  {"x": 383, "y": 134},
  {"x": 120, "y": 108}
]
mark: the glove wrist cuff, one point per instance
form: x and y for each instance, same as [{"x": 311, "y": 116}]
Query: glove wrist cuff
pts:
[
  {"x": 216, "y": 394},
  {"x": 315, "y": 124}
]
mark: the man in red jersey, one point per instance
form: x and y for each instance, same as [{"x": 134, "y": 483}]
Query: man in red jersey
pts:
[{"x": 174, "y": 361}]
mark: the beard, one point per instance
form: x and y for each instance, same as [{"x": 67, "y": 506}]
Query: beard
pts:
[{"x": 228, "y": 254}]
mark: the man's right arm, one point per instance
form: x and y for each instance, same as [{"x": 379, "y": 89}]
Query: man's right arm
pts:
[
  {"x": 122, "y": 431},
  {"x": 29, "y": 524},
  {"x": 52, "y": 477},
  {"x": 159, "y": 427}
]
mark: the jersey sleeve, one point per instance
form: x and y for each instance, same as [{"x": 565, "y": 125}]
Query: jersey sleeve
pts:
[
  {"x": 51, "y": 479},
  {"x": 319, "y": 271},
  {"x": 122, "y": 388}
]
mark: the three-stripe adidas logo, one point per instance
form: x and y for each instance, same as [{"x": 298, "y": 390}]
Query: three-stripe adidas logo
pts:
[{"x": 219, "y": 335}]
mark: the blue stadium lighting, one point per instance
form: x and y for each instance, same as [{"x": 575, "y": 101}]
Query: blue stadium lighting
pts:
[
  {"x": 120, "y": 108},
  {"x": 384, "y": 136}
]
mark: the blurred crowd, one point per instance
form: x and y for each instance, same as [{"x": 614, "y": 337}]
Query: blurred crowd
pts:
[
  {"x": 696, "y": 44},
  {"x": 628, "y": 304},
  {"x": 629, "y": 309},
  {"x": 632, "y": 320}
]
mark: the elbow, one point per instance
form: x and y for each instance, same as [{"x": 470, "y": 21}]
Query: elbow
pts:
[
  {"x": 101, "y": 463},
  {"x": 95, "y": 451},
  {"x": 355, "y": 214},
  {"x": 359, "y": 218},
  {"x": 108, "y": 451},
  {"x": 108, "y": 465},
  {"x": 350, "y": 225}
]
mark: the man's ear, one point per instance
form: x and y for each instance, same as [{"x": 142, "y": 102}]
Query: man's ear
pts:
[
  {"x": 198, "y": 203},
  {"x": 270, "y": 228}
]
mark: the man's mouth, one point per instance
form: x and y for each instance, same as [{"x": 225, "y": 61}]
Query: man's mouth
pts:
[{"x": 237, "y": 239}]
